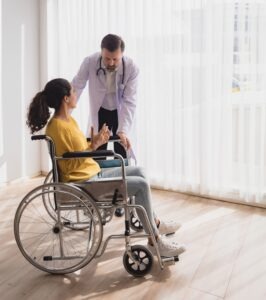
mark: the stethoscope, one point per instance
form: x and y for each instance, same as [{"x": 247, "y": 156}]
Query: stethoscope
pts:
[{"x": 101, "y": 69}]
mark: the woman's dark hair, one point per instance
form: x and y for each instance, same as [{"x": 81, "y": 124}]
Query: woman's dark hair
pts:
[
  {"x": 52, "y": 96},
  {"x": 112, "y": 42}
]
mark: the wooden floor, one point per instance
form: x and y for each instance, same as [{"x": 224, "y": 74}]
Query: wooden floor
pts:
[{"x": 225, "y": 258}]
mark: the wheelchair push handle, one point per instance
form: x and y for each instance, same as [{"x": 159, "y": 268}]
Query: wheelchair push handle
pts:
[{"x": 43, "y": 137}]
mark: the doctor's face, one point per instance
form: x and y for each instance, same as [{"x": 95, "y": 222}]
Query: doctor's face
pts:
[{"x": 111, "y": 60}]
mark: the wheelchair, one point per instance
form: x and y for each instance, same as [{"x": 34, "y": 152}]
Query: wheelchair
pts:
[{"x": 59, "y": 227}]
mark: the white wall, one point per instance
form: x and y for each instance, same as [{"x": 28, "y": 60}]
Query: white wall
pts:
[{"x": 19, "y": 156}]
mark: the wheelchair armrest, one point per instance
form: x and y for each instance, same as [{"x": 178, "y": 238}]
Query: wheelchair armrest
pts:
[
  {"x": 38, "y": 137},
  {"x": 98, "y": 153}
]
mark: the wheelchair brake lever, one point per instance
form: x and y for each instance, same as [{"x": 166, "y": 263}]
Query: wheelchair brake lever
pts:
[{"x": 115, "y": 196}]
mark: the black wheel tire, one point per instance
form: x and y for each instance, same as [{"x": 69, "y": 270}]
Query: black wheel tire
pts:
[
  {"x": 135, "y": 223},
  {"x": 119, "y": 212},
  {"x": 143, "y": 256}
]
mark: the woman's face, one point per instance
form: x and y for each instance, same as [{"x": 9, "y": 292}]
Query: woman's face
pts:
[{"x": 72, "y": 103}]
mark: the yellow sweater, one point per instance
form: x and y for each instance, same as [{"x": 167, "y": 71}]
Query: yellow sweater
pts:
[{"x": 67, "y": 138}]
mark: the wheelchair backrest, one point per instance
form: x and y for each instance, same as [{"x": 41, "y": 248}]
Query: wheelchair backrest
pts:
[{"x": 52, "y": 153}]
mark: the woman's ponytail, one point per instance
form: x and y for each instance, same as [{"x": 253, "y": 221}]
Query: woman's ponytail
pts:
[{"x": 38, "y": 113}]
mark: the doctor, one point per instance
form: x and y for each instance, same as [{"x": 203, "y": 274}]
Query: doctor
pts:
[{"x": 112, "y": 86}]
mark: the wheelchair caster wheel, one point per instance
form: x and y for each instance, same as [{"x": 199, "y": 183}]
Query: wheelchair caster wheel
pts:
[
  {"x": 140, "y": 263},
  {"x": 119, "y": 212},
  {"x": 135, "y": 223}
]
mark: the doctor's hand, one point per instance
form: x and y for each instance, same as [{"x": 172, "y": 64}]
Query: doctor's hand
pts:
[
  {"x": 124, "y": 140},
  {"x": 102, "y": 137}
]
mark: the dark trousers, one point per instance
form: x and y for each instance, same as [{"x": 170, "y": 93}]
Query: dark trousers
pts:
[{"x": 110, "y": 118}]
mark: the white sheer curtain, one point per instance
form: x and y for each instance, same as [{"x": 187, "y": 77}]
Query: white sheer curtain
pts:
[{"x": 202, "y": 89}]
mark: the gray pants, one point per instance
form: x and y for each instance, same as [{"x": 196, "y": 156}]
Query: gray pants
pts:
[{"x": 138, "y": 186}]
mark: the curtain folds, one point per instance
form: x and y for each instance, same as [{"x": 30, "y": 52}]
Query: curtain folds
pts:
[{"x": 202, "y": 91}]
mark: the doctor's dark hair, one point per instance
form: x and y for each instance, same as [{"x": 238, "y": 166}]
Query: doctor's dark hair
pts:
[
  {"x": 112, "y": 42},
  {"x": 52, "y": 96}
]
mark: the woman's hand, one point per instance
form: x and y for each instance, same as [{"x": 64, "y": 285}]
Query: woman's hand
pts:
[{"x": 102, "y": 137}]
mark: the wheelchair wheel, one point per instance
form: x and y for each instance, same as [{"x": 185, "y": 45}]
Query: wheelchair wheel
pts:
[
  {"x": 135, "y": 223},
  {"x": 51, "y": 207},
  {"x": 140, "y": 262},
  {"x": 49, "y": 243}
]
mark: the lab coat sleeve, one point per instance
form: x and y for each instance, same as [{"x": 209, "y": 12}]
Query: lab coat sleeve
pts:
[
  {"x": 80, "y": 80},
  {"x": 128, "y": 103}
]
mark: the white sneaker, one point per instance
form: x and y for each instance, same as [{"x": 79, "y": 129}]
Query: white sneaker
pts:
[
  {"x": 167, "y": 249},
  {"x": 168, "y": 227}
]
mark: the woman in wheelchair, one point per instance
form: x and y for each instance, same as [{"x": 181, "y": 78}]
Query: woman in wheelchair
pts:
[{"x": 63, "y": 129}]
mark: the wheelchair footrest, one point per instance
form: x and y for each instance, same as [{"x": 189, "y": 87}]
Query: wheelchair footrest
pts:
[
  {"x": 170, "y": 260},
  {"x": 50, "y": 258}
]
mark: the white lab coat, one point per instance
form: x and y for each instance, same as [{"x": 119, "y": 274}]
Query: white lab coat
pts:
[{"x": 125, "y": 93}]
